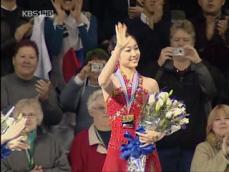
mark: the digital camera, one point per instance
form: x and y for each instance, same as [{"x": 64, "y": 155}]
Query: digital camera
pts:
[
  {"x": 178, "y": 52},
  {"x": 97, "y": 67}
]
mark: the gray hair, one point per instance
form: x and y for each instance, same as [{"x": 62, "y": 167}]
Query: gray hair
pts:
[
  {"x": 31, "y": 102},
  {"x": 184, "y": 25},
  {"x": 92, "y": 99}
]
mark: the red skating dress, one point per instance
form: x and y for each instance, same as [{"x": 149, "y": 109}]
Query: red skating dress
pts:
[{"x": 116, "y": 109}]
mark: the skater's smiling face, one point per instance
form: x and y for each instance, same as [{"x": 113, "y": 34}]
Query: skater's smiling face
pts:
[{"x": 130, "y": 55}]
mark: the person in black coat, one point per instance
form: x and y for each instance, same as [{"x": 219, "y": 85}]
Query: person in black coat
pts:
[
  {"x": 181, "y": 69},
  {"x": 212, "y": 34}
]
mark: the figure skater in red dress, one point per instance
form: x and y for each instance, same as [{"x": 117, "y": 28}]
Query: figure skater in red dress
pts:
[{"x": 125, "y": 92}]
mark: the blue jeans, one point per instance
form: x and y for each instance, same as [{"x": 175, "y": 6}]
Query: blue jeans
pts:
[{"x": 175, "y": 159}]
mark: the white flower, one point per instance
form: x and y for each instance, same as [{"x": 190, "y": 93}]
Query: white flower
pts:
[
  {"x": 168, "y": 115},
  {"x": 168, "y": 102},
  {"x": 164, "y": 96},
  {"x": 175, "y": 103},
  {"x": 170, "y": 92},
  {"x": 180, "y": 105},
  {"x": 175, "y": 128},
  {"x": 176, "y": 112},
  {"x": 151, "y": 99},
  {"x": 159, "y": 104},
  {"x": 184, "y": 121},
  {"x": 183, "y": 109}
]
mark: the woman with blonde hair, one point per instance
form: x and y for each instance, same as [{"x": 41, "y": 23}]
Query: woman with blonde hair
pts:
[{"x": 213, "y": 154}]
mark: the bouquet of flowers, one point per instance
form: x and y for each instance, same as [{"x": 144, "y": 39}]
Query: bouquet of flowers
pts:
[{"x": 162, "y": 114}]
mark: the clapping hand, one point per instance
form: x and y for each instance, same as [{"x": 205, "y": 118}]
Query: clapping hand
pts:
[
  {"x": 14, "y": 130},
  {"x": 43, "y": 88},
  {"x": 22, "y": 31},
  {"x": 18, "y": 144},
  {"x": 12, "y": 135},
  {"x": 166, "y": 54},
  {"x": 76, "y": 11},
  {"x": 59, "y": 10}
]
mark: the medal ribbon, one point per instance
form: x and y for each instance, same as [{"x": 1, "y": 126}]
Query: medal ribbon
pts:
[{"x": 134, "y": 87}]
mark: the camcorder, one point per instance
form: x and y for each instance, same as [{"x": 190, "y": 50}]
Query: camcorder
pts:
[{"x": 97, "y": 67}]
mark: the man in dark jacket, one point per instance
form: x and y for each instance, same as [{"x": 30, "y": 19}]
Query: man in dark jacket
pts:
[
  {"x": 212, "y": 34},
  {"x": 151, "y": 31},
  {"x": 180, "y": 68}
]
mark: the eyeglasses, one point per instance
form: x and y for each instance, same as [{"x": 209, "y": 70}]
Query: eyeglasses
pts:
[
  {"x": 99, "y": 107},
  {"x": 28, "y": 115}
]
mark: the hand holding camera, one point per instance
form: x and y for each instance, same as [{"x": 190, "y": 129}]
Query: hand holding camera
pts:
[
  {"x": 191, "y": 54},
  {"x": 91, "y": 67},
  {"x": 166, "y": 54},
  {"x": 85, "y": 71},
  {"x": 187, "y": 52}
]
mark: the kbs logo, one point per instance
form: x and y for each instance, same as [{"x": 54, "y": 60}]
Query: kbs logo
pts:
[{"x": 35, "y": 13}]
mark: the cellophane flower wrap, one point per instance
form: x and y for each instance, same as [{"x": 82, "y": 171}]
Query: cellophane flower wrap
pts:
[
  {"x": 6, "y": 121},
  {"x": 162, "y": 114}
]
